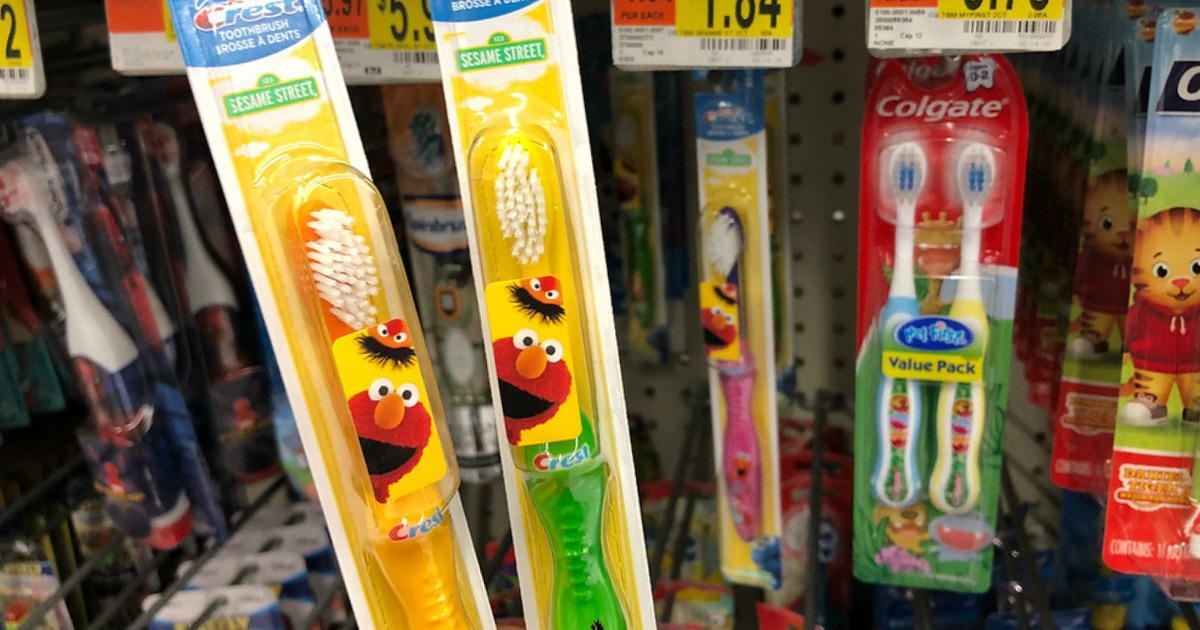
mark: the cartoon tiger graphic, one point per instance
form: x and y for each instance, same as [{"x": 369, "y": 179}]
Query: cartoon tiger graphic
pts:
[
  {"x": 1163, "y": 337},
  {"x": 1103, "y": 265}
]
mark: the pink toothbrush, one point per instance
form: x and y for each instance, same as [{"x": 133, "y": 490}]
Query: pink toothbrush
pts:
[{"x": 740, "y": 456}]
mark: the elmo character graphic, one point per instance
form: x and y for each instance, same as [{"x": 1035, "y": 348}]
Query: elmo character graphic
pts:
[
  {"x": 719, "y": 322},
  {"x": 539, "y": 298},
  {"x": 534, "y": 380},
  {"x": 393, "y": 428},
  {"x": 389, "y": 345}
]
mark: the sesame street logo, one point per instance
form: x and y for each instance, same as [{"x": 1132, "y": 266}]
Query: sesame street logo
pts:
[{"x": 211, "y": 16}]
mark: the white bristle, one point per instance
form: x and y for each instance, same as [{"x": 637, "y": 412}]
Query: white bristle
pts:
[
  {"x": 521, "y": 204},
  {"x": 723, "y": 244},
  {"x": 343, "y": 268}
]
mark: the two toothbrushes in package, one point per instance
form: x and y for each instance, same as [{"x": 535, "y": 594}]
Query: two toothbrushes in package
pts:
[
  {"x": 520, "y": 137},
  {"x": 326, "y": 270},
  {"x": 737, "y": 319},
  {"x": 942, "y": 178}
]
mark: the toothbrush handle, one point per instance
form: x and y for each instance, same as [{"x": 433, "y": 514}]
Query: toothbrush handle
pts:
[
  {"x": 899, "y": 408},
  {"x": 741, "y": 459},
  {"x": 640, "y": 266},
  {"x": 422, "y": 572},
  {"x": 955, "y": 485},
  {"x": 570, "y": 505}
]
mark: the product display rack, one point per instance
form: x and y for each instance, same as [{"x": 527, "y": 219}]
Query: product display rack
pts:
[{"x": 824, "y": 109}]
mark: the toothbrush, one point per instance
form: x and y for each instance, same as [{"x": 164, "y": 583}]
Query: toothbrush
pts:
[
  {"x": 569, "y": 501},
  {"x": 899, "y": 405},
  {"x": 119, "y": 395},
  {"x": 955, "y": 484},
  {"x": 212, "y": 300},
  {"x": 740, "y": 456},
  {"x": 422, "y": 570}
]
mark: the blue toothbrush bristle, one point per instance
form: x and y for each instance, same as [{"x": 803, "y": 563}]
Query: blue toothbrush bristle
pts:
[
  {"x": 908, "y": 177},
  {"x": 976, "y": 178}
]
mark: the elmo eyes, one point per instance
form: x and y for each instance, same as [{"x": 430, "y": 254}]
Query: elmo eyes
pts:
[
  {"x": 552, "y": 294},
  {"x": 1160, "y": 270},
  {"x": 401, "y": 337},
  {"x": 729, "y": 318},
  {"x": 1106, "y": 223},
  {"x": 718, "y": 311},
  {"x": 525, "y": 338},
  {"x": 382, "y": 329},
  {"x": 409, "y": 394},
  {"x": 380, "y": 388},
  {"x": 535, "y": 284},
  {"x": 554, "y": 350}
]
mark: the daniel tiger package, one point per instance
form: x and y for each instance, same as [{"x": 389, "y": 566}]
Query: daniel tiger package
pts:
[{"x": 1153, "y": 523}]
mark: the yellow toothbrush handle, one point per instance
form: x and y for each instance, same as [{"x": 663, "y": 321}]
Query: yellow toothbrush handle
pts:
[
  {"x": 422, "y": 573},
  {"x": 955, "y": 485}
]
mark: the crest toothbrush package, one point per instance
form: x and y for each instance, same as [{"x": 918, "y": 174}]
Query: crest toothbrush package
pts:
[
  {"x": 736, "y": 314},
  {"x": 942, "y": 179},
  {"x": 511, "y": 75},
  {"x": 1087, "y": 396},
  {"x": 334, "y": 296},
  {"x": 1153, "y": 521}
]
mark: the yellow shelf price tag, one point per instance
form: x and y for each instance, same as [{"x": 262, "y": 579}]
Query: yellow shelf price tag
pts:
[
  {"x": 768, "y": 19},
  {"x": 401, "y": 25},
  {"x": 1000, "y": 9},
  {"x": 14, "y": 35},
  {"x": 21, "y": 71}
]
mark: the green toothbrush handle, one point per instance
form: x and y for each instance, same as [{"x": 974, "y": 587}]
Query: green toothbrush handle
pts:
[
  {"x": 641, "y": 266},
  {"x": 570, "y": 504}
]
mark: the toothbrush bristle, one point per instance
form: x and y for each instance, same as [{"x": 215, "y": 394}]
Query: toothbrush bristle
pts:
[
  {"x": 977, "y": 168},
  {"x": 723, "y": 246},
  {"x": 521, "y": 204},
  {"x": 343, "y": 268},
  {"x": 908, "y": 171}
]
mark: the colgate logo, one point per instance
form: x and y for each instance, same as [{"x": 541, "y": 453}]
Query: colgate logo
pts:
[
  {"x": 934, "y": 110},
  {"x": 404, "y": 531},
  {"x": 210, "y": 17},
  {"x": 546, "y": 462}
]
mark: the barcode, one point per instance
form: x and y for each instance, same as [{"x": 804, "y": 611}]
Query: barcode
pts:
[
  {"x": 14, "y": 73},
  {"x": 1033, "y": 27},
  {"x": 415, "y": 56},
  {"x": 721, "y": 43}
]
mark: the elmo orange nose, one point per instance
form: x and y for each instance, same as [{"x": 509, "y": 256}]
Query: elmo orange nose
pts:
[
  {"x": 390, "y": 412},
  {"x": 531, "y": 362}
]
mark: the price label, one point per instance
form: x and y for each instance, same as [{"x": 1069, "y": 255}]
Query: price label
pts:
[
  {"x": 21, "y": 72},
  {"x": 770, "y": 19},
  {"x": 1000, "y": 9},
  {"x": 643, "y": 12},
  {"x": 401, "y": 25},
  {"x": 347, "y": 18}
]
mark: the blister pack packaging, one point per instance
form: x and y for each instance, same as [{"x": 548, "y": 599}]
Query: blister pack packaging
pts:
[
  {"x": 942, "y": 179},
  {"x": 511, "y": 73}
]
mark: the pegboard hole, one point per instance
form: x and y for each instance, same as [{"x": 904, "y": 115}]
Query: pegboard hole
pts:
[
  {"x": 838, "y": 10},
  {"x": 838, "y": 257},
  {"x": 649, "y": 392},
  {"x": 797, "y": 292},
  {"x": 838, "y": 54},
  {"x": 839, "y": 329},
  {"x": 797, "y": 256},
  {"x": 839, "y": 364},
  {"x": 794, "y": 98},
  {"x": 838, "y": 179},
  {"x": 794, "y": 139},
  {"x": 838, "y": 292},
  {"x": 1040, "y": 437},
  {"x": 838, "y": 138},
  {"x": 799, "y": 328},
  {"x": 839, "y": 97},
  {"x": 838, "y": 216},
  {"x": 795, "y": 179}
]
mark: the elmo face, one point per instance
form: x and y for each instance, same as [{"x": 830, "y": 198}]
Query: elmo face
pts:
[
  {"x": 393, "y": 429},
  {"x": 720, "y": 327},
  {"x": 389, "y": 345},
  {"x": 534, "y": 380},
  {"x": 539, "y": 298}
]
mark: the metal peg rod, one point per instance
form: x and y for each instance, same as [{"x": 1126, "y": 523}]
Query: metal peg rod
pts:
[
  {"x": 922, "y": 611},
  {"x": 206, "y": 614},
  {"x": 93, "y": 562},
  {"x": 1041, "y": 603},
  {"x": 35, "y": 494},
  {"x": 695, "y": 426},
  {"x": 129, "y": 591},
  {"x": 147, "y": 616},
  {"x": 812, "y": 588}
]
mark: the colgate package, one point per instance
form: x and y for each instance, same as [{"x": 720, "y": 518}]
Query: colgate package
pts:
[{"x": 942, "y": 177}]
